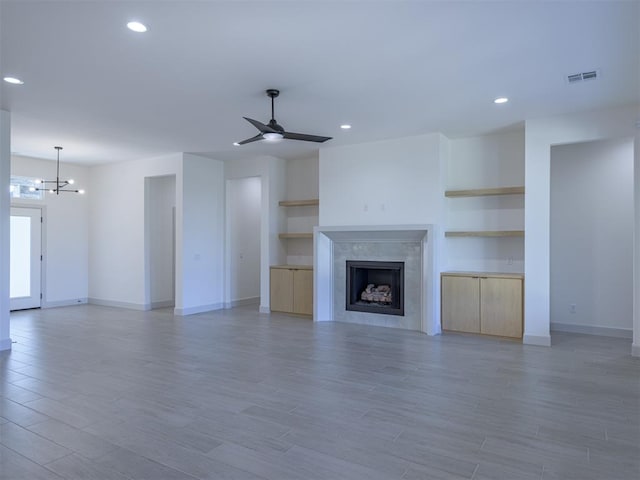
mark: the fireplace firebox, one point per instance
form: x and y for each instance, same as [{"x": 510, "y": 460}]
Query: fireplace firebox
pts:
[{"x": 375, "y": 287}]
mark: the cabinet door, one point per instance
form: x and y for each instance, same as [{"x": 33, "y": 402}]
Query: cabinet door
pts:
[
  {"x": 303, "y": 292},
  {"x": 460, "y": 304},
  {"x": 501, "y": 307},
  {"x": 281, "y": 290}
]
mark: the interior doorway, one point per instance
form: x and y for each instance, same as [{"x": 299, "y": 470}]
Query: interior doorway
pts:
[
  {"x": 160, "y": 245},
  {"x": 244, "y": 207},
  {"x": 25, "y": 270},
  {"x": 591, "y": 237}
]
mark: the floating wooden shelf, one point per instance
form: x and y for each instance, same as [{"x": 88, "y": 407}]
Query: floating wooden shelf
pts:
[
  {"x": 299, "y": 203},
  {"x": 295, "y": 235},
  {"x": 486, "y": 233},
  {"x": 481, "y": 192},
  {"x": 293, "y": 267}
]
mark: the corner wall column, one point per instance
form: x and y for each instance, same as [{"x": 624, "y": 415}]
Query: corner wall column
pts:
[
  {"x": 537, "y": 238},
  {"x": 5, "y": 203}
]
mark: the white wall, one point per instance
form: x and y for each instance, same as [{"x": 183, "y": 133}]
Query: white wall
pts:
[
  {"x": 391, "y": 182},
  {"x": 200, "y": 232},
  {"x": 160, "y": 202},
  {"x": 244, "y": 197},
  {"x": 540, "y": 135},
  {"x": 487, "y": 161},
  {"x": 495, "y": 160},
  {"x": 272, "y": 174},
  {"x": 635, "y": 348},
  {"x": 301, "y": 184},
  {"x": 5, "y": 174},
  {"x": 117, "y": 272},
  {"x": 592, "y": 234},
  {"x": 302, "y": 178},
  {"x": 65, "y": 230}
]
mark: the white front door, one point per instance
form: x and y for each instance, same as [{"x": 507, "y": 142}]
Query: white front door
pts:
[{"x": 25, "y": 263}]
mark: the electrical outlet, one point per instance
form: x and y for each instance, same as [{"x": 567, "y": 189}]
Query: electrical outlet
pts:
[
  {"x": 510, "y": 261},
  {"x": 572, "y": 308}
]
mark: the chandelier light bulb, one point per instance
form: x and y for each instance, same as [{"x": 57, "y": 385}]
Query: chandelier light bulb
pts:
[
  {"x": 71, "y": 181},
  {"x": 81, "y": 192}
]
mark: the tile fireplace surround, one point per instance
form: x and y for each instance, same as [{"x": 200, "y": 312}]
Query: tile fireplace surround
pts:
[{"x": 411, "y": 244}]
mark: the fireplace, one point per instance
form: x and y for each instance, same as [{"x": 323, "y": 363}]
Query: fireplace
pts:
[{"x": 375, "y": 287}]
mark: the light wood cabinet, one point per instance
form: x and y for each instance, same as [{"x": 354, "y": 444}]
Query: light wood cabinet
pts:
[
  {"x": 460, "y": 304},
  {"x": 281, "y": 290},
  {"x": 303, "y": 292},
  {"x": 501, "y": 306},
  {"x": 487, "y": 303},
  {"x": 292, "y": 289}
]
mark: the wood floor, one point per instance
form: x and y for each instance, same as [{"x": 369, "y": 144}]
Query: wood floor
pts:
[{"x": 102, "y": 393}]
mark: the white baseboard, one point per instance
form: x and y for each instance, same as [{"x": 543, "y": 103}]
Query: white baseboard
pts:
[
  {"x": 65, "y": 303},
  {"x": 538, "y": 340},
  {"x": 163, "y": 304},
  {"x": 264, "y": 309},
  {"x": 242, "y": 302},
  {"x": 635, "y": 350},
  {"x": 591, "y": 330},
  {"x": 111, "y": 303},
  {"x": 199, "y": 309},
  {"x": 5, "y": 344}
]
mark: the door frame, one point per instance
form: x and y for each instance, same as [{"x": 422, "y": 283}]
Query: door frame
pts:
[{"x": 43, "y": 245}]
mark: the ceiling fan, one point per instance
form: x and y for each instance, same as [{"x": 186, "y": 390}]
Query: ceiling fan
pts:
[{"x": 272, "y": 132}]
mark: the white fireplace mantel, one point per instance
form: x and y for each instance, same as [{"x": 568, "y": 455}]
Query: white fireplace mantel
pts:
[{"x": 325, "y": 238}]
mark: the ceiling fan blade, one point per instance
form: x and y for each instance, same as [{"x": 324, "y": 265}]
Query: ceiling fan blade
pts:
[
  {"x": 305, "y": 137},
  {"x": 260, "y": 126},
  {"x": 252, "y": 139}
]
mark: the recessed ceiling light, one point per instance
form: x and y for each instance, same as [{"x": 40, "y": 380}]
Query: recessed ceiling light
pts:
[
  {"x": 501, "y": 100},
  {"x": 137, "y": 27},
  {"x": 346, "y": 126},
  {"x": 13, "y": 80}
]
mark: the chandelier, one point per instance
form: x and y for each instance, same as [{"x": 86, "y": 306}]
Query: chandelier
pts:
[{"x": 56, "y": 186}]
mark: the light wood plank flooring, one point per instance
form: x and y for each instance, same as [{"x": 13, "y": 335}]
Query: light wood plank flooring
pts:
[{"x": 103, "y": 393}]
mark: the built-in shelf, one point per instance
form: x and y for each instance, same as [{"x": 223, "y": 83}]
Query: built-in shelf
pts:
[
  {"x": 295, "y": 235},
  {"x": 293, "y": 267},
  {"x": 486, "y": 233},
  {"x": 299, "y": 203},
  {"x": 482, "y": 192}
]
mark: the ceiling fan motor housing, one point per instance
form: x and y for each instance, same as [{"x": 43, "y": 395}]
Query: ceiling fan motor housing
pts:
[
  {"x": 273, "y": 132},
  {"x": 272, "y": 124}
]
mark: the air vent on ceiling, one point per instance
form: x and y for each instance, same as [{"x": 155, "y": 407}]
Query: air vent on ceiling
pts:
[{"x": 579, "y": 77}]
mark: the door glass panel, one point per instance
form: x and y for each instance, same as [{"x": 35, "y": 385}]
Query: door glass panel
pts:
[{"x": 20, "y": 265}]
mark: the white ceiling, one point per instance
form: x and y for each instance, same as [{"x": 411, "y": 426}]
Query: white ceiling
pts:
[{"x": 390, "y": 68}]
